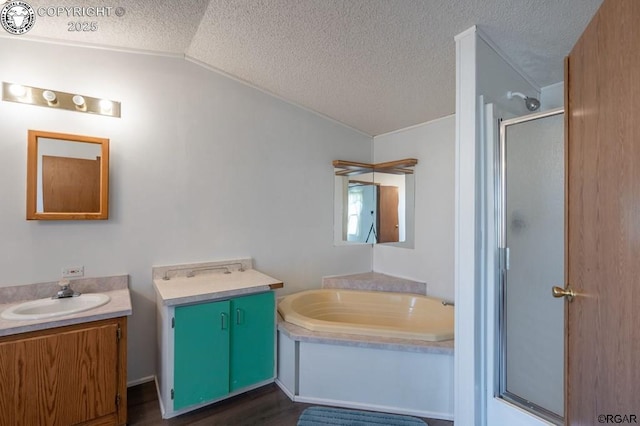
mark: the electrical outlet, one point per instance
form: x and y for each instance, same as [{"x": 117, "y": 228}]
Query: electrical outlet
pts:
[{"x": 73, "y": 271}]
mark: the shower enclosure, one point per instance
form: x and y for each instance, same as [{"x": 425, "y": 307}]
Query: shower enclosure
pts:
[{"x": 530, "y": 184}]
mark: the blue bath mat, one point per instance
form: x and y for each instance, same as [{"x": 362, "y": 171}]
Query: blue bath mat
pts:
[{"x": 323, "y": 416}]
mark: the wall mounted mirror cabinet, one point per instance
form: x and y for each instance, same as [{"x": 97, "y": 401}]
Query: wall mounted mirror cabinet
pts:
[
  {"x": 374, "y": 203},
  {"x": 67, "y": 176}
]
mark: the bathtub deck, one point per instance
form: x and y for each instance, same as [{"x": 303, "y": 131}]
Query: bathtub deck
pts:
[{"x": 301, "y": 334}]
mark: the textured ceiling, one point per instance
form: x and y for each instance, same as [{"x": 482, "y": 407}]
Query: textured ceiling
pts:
[{"x": 375, "y": 65}]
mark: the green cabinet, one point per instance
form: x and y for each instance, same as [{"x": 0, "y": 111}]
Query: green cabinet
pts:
[
  {"x": 222, "y": 347},
  {"x": 201, "y": 353},
  {"x": 252, "y": 340}
]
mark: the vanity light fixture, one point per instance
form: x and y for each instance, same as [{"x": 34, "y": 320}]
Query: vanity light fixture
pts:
[{"x": 60, "y": 100}]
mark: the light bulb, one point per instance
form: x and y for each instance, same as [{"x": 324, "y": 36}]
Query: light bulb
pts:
[
  {"x": 18, "y": 90},
  {"x": 49, "y": 96},
  {"x": 106, "y": 105},
  {"x": 78, "y": 100}
]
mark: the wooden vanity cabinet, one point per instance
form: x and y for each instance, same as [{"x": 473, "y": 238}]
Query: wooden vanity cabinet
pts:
[{"x": 72, "y": 375}]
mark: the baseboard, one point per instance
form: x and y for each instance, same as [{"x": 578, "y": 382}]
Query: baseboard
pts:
[
  {"x": 170, "y": 414},
  {"x": 284, "y": 389},
  {"x": 140, "y": 381},
  {"x": 162, "y": 408}
]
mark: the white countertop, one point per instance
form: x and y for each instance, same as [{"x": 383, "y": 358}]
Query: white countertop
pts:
[
  {"x": 212, "y": 286},
  {"x": 116, "y": 288}
]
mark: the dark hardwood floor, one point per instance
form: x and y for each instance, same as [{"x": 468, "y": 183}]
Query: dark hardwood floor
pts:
[{"x": 266, "y": 406}]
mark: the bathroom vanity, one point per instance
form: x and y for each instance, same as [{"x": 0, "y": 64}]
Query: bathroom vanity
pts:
[
  {"x": 69, "y": 369},
  {"x": 216, "y": 332}
]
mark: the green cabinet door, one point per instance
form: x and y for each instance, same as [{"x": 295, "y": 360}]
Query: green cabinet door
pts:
[
  {"x": 252, "y": 339},
  {"x": 201, "y": 353}
]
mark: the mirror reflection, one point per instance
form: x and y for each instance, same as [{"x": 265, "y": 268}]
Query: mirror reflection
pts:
[
  {"x": 374, "y": 202},
  {"x": 361, "y": 209},
  {"x": 67, "y": 176}
]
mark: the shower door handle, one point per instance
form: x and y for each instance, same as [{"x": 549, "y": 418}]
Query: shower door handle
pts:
[{"x": 563, "y": 292}]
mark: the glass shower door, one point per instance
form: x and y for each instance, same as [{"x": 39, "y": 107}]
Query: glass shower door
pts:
[{"x": 531, "y": 197}]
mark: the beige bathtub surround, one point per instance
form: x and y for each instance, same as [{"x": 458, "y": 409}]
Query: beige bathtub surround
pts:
[
  {"x": 301, "y": 334},
  {"x": 375, "y": 281},
  {"x": 364, "y": 355},
  {"x": 116, "y": 287}
]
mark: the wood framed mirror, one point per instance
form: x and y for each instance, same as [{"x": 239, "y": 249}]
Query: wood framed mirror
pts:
[{"x": 67, "y": 176}]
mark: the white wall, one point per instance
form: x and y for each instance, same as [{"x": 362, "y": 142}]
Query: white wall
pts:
[
  {"x": 552, "y": 96},
  {"x": 496, "y": 76},
  {"x": 431, "y": 259},
  {"x": 483, "y": 75},
  {"x": 202, "y": 168}
]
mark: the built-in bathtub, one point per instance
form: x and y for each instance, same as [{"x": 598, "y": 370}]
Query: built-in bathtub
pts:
[
  {"x": 370, "y": 313},
  {"x": 373, "y": 350}
]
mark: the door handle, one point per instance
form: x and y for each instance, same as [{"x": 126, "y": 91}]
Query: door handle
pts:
[
  {"x": 563, "y": 292},
  {"x": 223, "y": 321}
]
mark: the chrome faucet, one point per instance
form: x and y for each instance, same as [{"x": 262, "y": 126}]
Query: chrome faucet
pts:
[{"x": 65, "y": 290}]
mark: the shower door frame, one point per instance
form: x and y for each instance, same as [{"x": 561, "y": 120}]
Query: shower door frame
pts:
[{"x": 502, "y": 257}]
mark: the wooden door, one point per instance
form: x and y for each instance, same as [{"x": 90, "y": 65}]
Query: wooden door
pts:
[
  {"x": 60, "y": 377},
  {"x": 70, "y": 184},
  {"x": 388, "y": 225},
  {"x": 603, "y": 213}
]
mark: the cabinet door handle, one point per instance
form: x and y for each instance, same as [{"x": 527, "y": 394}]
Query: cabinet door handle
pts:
[
  {"x": 238, "y": 314},
  {"x": 223, "y": 321}
]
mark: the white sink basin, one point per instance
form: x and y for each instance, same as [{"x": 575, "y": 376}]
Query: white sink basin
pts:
[{"x": 47, "y": 308}]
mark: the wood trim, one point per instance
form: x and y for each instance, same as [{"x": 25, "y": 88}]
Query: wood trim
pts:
[
  {"x": 32, "y": 173},
  {"x": 407, "y": 162},
  {"x": 362, "y": 182},
  {"x": 54, "y": 330},
  {"x": 567, "y": 115},
  {"x": 276, "y": 285},
  {"x": 122, "y": 372},
  {"x": 348, "y": 168},
  {"x": 342, "y": 164}
]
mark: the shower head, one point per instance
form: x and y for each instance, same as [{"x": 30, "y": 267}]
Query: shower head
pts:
[{"x": 532, "y": 104}]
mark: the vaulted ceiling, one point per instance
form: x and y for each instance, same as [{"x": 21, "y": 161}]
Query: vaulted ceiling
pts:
[{"x": 374, "y": 65}]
